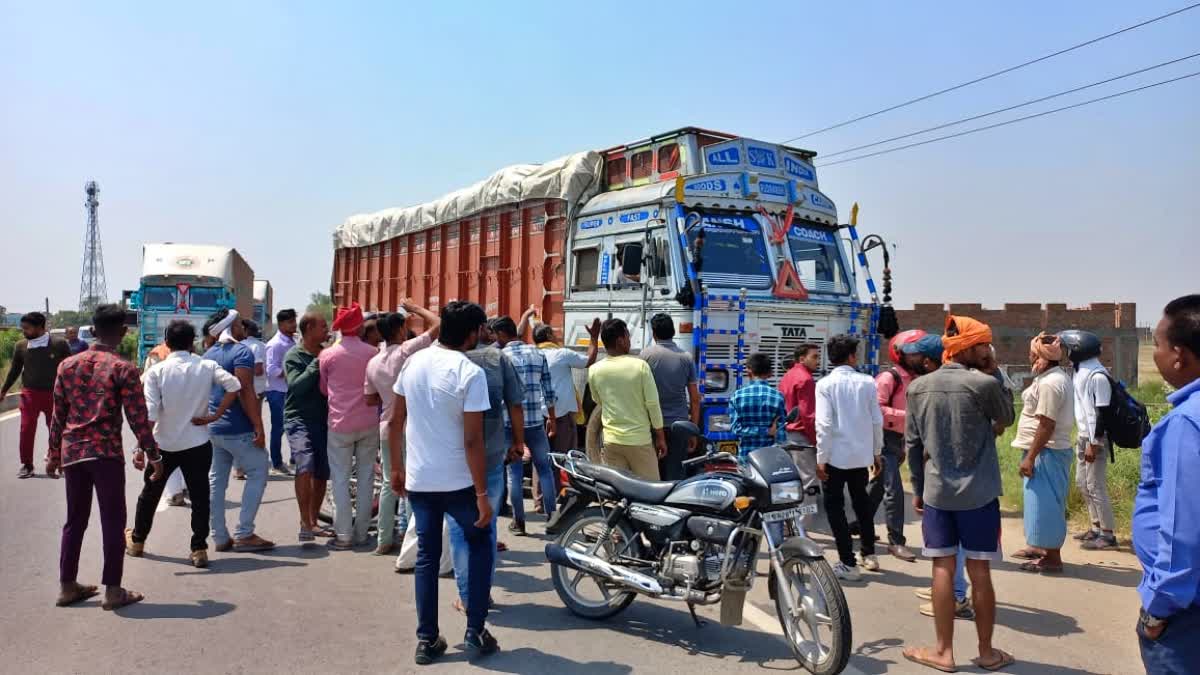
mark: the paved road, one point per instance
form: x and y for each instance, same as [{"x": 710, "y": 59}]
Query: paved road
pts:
[{"x": 304, "y": 609}]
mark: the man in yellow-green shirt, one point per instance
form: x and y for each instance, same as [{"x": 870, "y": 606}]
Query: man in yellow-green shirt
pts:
[{"x": 624, "y": 388}]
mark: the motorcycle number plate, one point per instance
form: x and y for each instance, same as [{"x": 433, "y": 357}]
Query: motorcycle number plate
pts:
[{"x": 789, "y": 514}]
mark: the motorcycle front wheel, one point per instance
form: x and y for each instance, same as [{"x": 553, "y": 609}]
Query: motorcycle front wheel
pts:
[
  {"x": 814, "y": 615},
  {"x": 582, "y": 593}
]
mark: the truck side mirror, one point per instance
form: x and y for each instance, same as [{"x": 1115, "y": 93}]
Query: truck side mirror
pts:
[{"x": 631, "y": 261}]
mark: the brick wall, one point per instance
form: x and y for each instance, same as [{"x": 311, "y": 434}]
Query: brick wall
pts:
[{"x": 1016, "y": 323}]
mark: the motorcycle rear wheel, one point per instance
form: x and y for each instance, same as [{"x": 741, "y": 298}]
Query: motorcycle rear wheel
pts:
[
  {"x": 821, "y": 604},
  {"x": 582, "y": 593}
]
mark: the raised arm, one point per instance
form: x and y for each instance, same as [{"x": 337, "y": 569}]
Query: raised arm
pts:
[
  {"x": 526, "y": 317},
  {"x": 433, "y": 323}
]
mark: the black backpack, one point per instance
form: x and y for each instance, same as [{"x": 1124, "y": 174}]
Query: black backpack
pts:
[{"x": 1124, "y": 420}]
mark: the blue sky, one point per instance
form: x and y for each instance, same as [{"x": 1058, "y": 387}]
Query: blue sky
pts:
[{"x": 263, "y": 125}]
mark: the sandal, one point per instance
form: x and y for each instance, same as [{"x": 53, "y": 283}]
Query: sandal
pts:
[
  {"x": 1029, "y": 554},
  {"x": 1038, "y": 567},
  {"x": 1005, "y": 660},
  {"x": 306, "y": 535},
  {"x": 324, "y": 531},
  {"x": 79, "y": 594},
  {"x": 127, "y": 598},
  {"x": 915, "y": 655},
  {"x": 501, "y": 547}
]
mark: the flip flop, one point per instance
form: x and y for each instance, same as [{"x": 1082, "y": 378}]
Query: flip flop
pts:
[
  {"x": 324, "y": 531},
  {"x": 127, "y": 598},
  {"x": 80, "y": 594},
  {"x": 927, "y": 663},
  {"x": 1006, "y": 660},
  {"x": 1036, "y": 567},
  {"x": 1028, "y": 554},
  {"x": 501, "y": 547}
]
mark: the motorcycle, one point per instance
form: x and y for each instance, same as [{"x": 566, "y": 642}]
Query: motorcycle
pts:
[{"x": 696, "y": 541}]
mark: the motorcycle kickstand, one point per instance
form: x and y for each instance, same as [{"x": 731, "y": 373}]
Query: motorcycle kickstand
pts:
[{"x": 700, "y": 623}]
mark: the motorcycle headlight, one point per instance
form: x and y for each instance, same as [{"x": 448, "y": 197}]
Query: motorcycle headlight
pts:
[
  {"x": 718, "y": 423},
  {"x": 784, "y": 493},
  {"x": 716, "y": 380}
]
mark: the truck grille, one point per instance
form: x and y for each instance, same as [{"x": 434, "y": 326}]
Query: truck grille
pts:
[{"x": 781, "y": 349}]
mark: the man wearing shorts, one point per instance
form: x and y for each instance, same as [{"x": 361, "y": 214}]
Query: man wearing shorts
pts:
[
  {"x": 954, "y": 416},
  {"x": 305, "y": 420}
]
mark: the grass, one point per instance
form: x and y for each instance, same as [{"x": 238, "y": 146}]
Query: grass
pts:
[{"x": 1123, "y": 474}]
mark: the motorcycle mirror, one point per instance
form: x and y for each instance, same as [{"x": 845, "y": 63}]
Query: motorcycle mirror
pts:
[{"x": 686, "y": 428}]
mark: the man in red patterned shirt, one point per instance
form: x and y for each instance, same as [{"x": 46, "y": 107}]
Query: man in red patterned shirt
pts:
[{"x": 85, "y": 441}]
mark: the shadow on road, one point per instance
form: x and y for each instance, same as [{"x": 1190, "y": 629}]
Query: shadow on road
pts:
[
  {"x": 240, "y": 565},
  {"x": 204, "y": 609},
  {"x": 519, "y": 582},
  {"x": 864, "y": 658},
  {"x": 531, "y": 661},
  {"x": 1039, "y": 621},
  {"x": 655, "y": 623}
]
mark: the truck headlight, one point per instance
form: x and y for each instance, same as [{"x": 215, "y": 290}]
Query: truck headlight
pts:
[
  {"x": 785, "y": 493},
  {"x": 716, "y": 380},
  {"x": 718, "y": 423}
]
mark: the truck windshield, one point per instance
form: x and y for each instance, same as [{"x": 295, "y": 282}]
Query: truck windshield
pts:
[
  {"x": 734, "y": 253},
  {"x": 205, "y": 298},
  {"x": 818, "y": 260},
  {"x": 158, "y": 297}
]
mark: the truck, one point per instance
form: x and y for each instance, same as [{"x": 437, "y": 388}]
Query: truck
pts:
[
  {"x": 188, "y": 281},
  {"x": 730, "y": 236},
  {"x": 264, "y": 307}
]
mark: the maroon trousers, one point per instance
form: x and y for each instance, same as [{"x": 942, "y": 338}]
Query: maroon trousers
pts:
[
  {"x": 107, "y": 478},
  {"x": 34, "y": 402}
]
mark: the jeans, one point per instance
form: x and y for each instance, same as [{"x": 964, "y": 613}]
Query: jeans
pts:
[
  {"x": 389, "y": 501},
  {"x": 195, "y": 464},
  {"x": 888, "y": 488},
  {"x": 1176, "y": 651},
  {"x": 458, "y": 540},
  {"x": 1092, "y": 480},
  {"x": 229, "y": 450},
  {"x": 960, "y": 575},
  {"x": 430, "y": 509},
  {"x": 275, "y": 404},
  {"x": 107, "y": 478},
  {"x": 539, "y": 447},
  {"x": 356, "y": 450},
  {"x": 856, "y": 481}
]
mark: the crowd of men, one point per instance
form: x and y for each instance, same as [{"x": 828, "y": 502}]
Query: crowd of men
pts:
[{"x": 454, "y": 411}]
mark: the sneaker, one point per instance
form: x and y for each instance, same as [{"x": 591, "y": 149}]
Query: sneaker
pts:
[
  {"x": 868, "y": 562},
  {"x": 239, "y": 474},
  {"x": 252, "y": 543},
  {"x": 517, "y": 528},
  {"x": 962, "y": 609},
  {"x": 281, "y": 470},
  {"x": 26, "y": 471},
  {"x": 132, "y": 548},
  {"x": 481, "y": 643},
  {"x": 1086, "y": 536},
  {"x": 176, "y": 500},
  {"x": 1104, "y": 542},
  {"x": 902, "y": 552},
  {"x": 846, "y": 572},
  {"x": 924, "y": 593},
  {"x": 428, "y": 650},
  {"x": 200, "y": 559}
]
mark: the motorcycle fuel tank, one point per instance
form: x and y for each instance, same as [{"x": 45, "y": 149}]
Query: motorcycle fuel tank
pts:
[{"x": 706, "y": 492}]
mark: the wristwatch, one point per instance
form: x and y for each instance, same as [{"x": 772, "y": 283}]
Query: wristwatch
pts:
[{"x": 1148, "y": 620}]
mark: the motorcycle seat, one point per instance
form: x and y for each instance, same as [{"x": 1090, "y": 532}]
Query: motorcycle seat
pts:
[{"x": 627, "y": 484}]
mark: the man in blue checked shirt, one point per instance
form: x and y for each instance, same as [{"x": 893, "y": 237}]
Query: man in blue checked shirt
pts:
[
  {"x": 757, "y": 414},
  {"x": 534, "y": 372},
  {"x": 1166, "y": 512}
]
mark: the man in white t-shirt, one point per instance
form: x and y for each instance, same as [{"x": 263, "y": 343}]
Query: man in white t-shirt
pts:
[{"x": 442, "y": 468}]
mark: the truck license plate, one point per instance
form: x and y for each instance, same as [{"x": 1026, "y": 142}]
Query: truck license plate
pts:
[{"x": 789, "y": 514}]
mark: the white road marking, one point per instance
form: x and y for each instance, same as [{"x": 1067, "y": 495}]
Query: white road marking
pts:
[
  {"x": 10, "y": 415},
  {"x": 767, "y": 623}
]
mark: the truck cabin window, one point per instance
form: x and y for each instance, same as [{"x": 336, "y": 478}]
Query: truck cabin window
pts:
[
  {"x": 158, "y": 297},
  {"x": 205, "y": 298},
  {"x": 733, "y": 254},
  {"x": 587, "y": 268},
  {"x": 818, "y": 262}
]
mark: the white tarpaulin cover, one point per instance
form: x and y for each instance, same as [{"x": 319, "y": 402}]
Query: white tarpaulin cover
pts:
[{"x": 573, "y": 178}]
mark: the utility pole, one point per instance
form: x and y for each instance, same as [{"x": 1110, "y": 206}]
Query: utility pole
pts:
[{"x": 92, "y": 285}]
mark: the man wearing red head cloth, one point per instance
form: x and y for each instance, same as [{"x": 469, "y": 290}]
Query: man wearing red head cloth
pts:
[{"x": 353, "y": 425}]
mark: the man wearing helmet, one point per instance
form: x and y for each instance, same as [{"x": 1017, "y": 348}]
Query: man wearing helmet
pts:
[
  {"x": 887, "y": 486},
  {"x": 1093, "y": 448}
]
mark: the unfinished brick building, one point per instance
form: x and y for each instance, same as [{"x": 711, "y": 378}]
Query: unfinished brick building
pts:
[{"x": 1015, "y": 324}]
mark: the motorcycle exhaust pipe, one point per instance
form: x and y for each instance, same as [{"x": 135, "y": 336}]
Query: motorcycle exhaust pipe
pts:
[{"x": 590, "y": 564}]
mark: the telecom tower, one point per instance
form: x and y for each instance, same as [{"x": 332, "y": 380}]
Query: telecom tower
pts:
[{"x": 92, "y": 287}]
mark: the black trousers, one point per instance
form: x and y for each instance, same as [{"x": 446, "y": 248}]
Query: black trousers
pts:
[
  {"x": 671, "y": 466},
  {"x": 854, "y": 480},
  {"x": 195, "y": 464}
]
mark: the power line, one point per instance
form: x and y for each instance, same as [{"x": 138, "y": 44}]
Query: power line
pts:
[
  {"x": 995, "y": 74},
  {"x": 1012, "y": 121},
  {"x": 1012, "y": 107}
]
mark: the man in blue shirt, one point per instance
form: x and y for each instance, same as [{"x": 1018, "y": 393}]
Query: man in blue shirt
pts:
[
  {"x": 757, "y": 415},
  {"x": 237, "y": 437},
  {"x": 1166, "y": 514}
]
